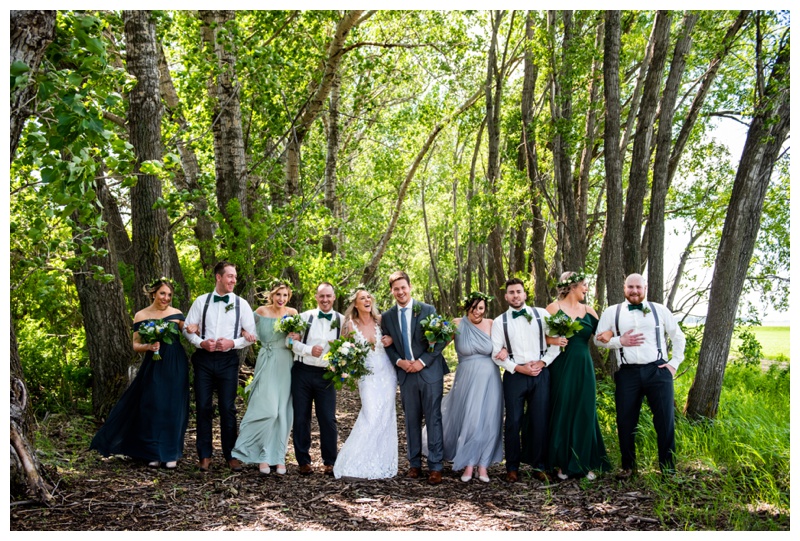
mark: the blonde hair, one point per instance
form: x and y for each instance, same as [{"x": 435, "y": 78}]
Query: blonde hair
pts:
[
  {"x": 268, "y": 295},
  {"x": 352, "y": 312},
  {"x": 567, "y": 283}
]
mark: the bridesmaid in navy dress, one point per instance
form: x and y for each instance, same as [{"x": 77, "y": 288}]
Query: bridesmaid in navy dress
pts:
[{"x": 149, "y": 421}]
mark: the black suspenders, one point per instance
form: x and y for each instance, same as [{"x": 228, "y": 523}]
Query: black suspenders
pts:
[
  {"x": 203, "y": 321},
  {"x": 542, "y": 343},
  {"x": 658, "y": 332}
]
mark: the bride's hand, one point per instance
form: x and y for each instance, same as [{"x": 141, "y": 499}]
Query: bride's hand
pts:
[{"x": 386, "y": 340}]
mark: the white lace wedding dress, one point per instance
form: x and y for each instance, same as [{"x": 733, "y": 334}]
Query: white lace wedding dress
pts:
[{"x": 370, "y": 451}]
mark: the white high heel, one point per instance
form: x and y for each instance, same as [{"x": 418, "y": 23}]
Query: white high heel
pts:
[
  {"x": 483, "y": 478},
  {"x": 467, "y": 477},
  {"x": 154, "y": 464},
  {"x": 280, "y": 469},
  {"x": 172, "y": 464},
  {"x": 264, "y": 469}
]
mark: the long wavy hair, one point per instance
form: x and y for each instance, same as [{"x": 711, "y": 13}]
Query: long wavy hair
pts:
[{"x": 352, "y": 312}]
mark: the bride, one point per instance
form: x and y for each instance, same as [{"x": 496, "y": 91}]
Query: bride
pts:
[{"x": 370, "y": 451}]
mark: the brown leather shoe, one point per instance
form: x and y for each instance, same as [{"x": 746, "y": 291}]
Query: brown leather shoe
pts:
[
  {"x": 328, "y": 470},
  {"x": 235, "y": 465},
  {"x": 511, "y": 477},
  {"x": 305, "y": 469},
  {"x": 539, "y": 475},
  {"x": 624, "y": 474},
  {"x": 413, "y": 473},
  {"x": 205, "y": 464},
  {"x": 434, "y": 478}
]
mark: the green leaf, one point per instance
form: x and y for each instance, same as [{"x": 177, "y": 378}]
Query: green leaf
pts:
[{"x": 18, "y": 68}]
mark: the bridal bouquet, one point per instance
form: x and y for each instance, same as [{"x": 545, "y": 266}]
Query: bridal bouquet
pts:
[
  {"x": 561, "y": 324},
  {"x": 347, "y": 361},
  {"x": 288, "y": 324},
  {"x": 437, "y": 329},
  {"x": 158, "y": 330}
]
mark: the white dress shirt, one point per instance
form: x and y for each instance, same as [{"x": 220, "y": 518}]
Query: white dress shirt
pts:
[
  {"x": 525, "y": 339},
  {"x": 408, "y": 315},
  {"x": 219, "y": 321},
  {"x": 320, "y": 334},
  {"x": 640, "y": 322}
]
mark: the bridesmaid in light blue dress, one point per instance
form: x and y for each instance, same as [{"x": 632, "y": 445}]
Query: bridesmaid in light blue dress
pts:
[
  {"x": 264, "y": 430},
  {"x": 472, "y": 412}
]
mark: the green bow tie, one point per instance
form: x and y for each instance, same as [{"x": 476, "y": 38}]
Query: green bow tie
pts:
[
  {"x": 223, "y": 298},
  {"x": 632, "y": 307},
  {"x": 518, "y": 313},
  {"x": 329, "y": 317}
]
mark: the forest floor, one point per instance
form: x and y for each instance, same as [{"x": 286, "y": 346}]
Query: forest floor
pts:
[{"x": 93, "y": 493}]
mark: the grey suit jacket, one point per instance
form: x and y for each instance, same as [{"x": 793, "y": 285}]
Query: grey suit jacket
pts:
[{"x": 435, "y": 365}]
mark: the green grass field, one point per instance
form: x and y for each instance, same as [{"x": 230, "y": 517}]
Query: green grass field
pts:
[{"x": 774, "y": 341}]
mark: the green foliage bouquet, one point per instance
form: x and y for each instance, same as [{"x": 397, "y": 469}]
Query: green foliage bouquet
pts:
[
  {"x": 560, "y": 324},
  {"x": 437, "y": 329},
  {"x": 158, "y": 330},
  {"x": 288, "y": 324},
  {"x": 347, "y": 361}
]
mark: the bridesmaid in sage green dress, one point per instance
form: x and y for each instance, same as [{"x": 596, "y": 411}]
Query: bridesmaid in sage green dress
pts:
[
  {"x": 576, "y": 446},
  {"x": 264, "y": 430}
]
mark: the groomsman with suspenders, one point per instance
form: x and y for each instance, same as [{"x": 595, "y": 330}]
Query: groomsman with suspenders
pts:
[
  {"x": 221, "y": 316},
  {"x": 520, "y": 346},
  {"x": 636, "y": 332},
  {"x": 308, "y": 384}
]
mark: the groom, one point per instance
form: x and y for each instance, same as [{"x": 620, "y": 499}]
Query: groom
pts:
[{"x": 420, "y": 374}]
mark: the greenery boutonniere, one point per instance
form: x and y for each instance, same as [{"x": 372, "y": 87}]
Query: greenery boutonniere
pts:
[
  {"x": 646, "y": 310},
  {"x": 335, "y": 323},
  {"x": 528, "y": 316},
  {"x": 228, "y": 308},
  {"x": 416, "y": 309}
]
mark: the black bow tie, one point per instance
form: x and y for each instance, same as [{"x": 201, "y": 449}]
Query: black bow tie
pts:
[
  {"x": 632, "y": 307},
  {"x": 329, "y": 317},
  {"x": 518, "y": 313},
  {"x": 223, "y": 298}
]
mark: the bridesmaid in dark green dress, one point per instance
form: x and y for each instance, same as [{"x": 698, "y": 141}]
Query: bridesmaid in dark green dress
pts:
[{"x": 576, "y": 446}]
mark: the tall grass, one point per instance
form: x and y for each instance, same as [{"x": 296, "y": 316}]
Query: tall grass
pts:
[{"x": 733, "y": 471}]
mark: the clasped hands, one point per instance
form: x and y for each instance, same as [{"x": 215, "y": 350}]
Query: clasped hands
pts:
[
  {"x": 410, "y": 366},
  {"x": 531, "y": 368},
  {"x": 220, "y": 344}
]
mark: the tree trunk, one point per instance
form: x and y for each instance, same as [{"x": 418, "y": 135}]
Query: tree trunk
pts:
[
  {"x": 152, "y": 241},
  {"x": 561, "y": 107},
  {"x": 204, "y": 227},
  {"x": 587, "y": 154},
  {"x": 766, "y": 135},
  {"x": 25, "y": 479},
  {"x": 614, "y": 269},
  {"x": 29, "y": 34},
  {"x": 528, "y": 161},
  {"x": 658, "y": 195},
  {"x": 328, "y": 240},
  {"x": 493, "y": 91},
  {"x": 640, "y": 159},
  {"x": 106, "y": 321}
]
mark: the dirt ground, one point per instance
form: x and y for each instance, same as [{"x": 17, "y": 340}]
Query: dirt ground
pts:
[{"x": 115, "y": 494}]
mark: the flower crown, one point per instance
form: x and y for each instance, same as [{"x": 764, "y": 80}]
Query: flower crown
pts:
[
  {"x": 279, "y": 282},
  {"x": 575, "y": 278},
  {"x": 352, "y": 295},
  {"x": 466, "y": 301},
  {"x": 162, "y": 280}
]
